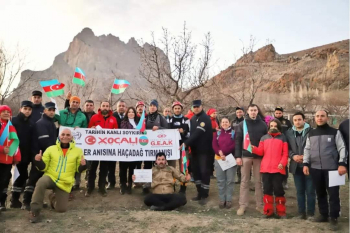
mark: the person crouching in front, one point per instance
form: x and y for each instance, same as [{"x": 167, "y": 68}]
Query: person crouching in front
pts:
[
  {"x": 163, "y": 196},
  {"x": 69, "y": 159},
  {"x": 274, "y": 148}
]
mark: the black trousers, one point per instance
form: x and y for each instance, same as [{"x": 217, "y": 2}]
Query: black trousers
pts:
[
  {"x": 273, "y": 184},
  {"x": 201, "y": 170},
  {"x": 138, "y": 164},
  {"x": 101, "y": 176},
  {"x": 321, "y": 182},
  {"x": 5, "y": 176},
  {"x": 34, "y": 176},
  {"x": 20, "y": 181},
  {"x": 111, "y": 172},
  {"x": 125, "y": 176},
  {"x": 168, "y": 201}
]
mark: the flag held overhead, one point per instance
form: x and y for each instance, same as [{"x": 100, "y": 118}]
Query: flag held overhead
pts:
[
  {"x": 119, "y": 86},
  {"x": 79, "y": 77},
  {"x": 52, "y": 88}
]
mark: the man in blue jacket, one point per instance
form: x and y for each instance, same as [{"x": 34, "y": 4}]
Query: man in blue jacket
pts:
[{"x": 296, "y": 137}]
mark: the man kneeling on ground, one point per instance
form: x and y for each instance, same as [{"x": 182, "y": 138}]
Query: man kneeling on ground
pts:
[
  {"x": 59, "y": 163},
  {"x": 163, "y": 196}
]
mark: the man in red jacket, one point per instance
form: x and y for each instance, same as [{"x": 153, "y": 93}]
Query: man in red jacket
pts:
[
  {"x": 6, "y": 161},
  {"x": 106, "y": 120}
]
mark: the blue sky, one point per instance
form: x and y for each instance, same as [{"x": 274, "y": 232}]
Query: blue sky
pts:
[{"x": 45, "y": 28}]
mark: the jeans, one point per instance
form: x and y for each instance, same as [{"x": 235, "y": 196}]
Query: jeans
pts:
[
  {"x": 226, "y": 181},
  {"x": 305, "y": 190}
]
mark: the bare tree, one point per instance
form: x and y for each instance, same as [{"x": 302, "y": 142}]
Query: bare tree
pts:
[
  {"x": 172, "y": 67},
  {"x": 10, "y": 67}
]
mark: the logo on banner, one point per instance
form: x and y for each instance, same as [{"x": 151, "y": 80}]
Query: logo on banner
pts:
[
  {"x": 76, "y": 135},
  {"x": 143, "y": 140},
  {"x": 161, "y": 136},
  {"x": 90, "y": 140}
]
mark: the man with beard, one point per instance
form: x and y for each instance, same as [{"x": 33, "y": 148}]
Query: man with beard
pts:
[
  {"x": 24, "y": 129},
  {"x": 38, "y": 108},
  {"x": 181, "y": 123},
  {"x": 200, "y": 141},
  {"x": 162, "y": 197},
  {"x": 105, "y": 119},
  {"x": 88, "y": 107},
  {"x": 250, "y": 130},
  {"x": 286, "y": 125}
]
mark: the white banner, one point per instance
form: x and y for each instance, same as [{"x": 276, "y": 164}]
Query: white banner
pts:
[{"x": 126, "y": 144}]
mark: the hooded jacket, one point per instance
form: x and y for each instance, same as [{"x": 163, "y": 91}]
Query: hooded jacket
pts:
[
  {"x": 108, "y": 122},
  {"x": 25, "y": 129},
  {"x": 296, "y": 144},
  {"x": 274, "y": 149},
  {"x": 59, "y": 167},
  {"x": 66, "y": 118}
]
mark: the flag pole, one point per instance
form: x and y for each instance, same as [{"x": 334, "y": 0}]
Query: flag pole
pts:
[{"x": 7, "y": 140}]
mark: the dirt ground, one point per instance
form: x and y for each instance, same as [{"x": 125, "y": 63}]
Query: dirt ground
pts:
[{"x": 127, "y": 213}]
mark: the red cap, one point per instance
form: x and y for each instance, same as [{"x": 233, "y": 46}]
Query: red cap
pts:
[
  {"x": 4, "y": 108},
  {"x": 177, "y": 103},
  {"x": 211, "y": 111},
  {"x": 140, "y": 103}
]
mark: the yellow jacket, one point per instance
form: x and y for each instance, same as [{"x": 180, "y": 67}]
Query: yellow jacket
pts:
[
  {"x": 61, "y": 169},
  {"x": 163, "y": 179}
]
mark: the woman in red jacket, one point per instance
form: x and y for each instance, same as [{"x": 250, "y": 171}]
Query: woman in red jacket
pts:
[
  {"x": 6, "y": 161},
  {"x": 274, "y": 149}
]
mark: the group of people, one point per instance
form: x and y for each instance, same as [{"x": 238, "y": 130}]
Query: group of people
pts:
[{"x": 261, "y": 147}]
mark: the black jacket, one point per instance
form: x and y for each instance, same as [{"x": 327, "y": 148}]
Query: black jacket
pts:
[
  {"x": 296, "y": 145},
  {"x": 201, "y": 134},
  {"x": 45, "y": 134},
  {"x": 344, "y": 130},
  {"x": 236, "y": 122},
  {"x": 256, "y": 129},
  {"x": 24, "y": 128},
  {"x": 38, "y": 110},
  {"x": 285, "y": 124},
  {"x": 180, "y": 123},
  {"x": 119, "y": 120}
]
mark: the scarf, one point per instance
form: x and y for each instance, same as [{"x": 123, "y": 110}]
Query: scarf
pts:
[{"x": 152, "y": 116}]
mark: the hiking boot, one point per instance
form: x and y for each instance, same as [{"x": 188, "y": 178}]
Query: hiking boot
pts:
[
  {"x": 76, "y": 187},
  {"x": 16, "y": 204},
  {"x": 122, "y": 189},
  {"x": 34, "y": 217},
  {"x": 52, "y": 198},
  {"x": 310, "y": 217},
  {"x": 71, "y": 196},
  {"x": 156, "y": 208},
  {"x": 25, "y": 207},
  {"x": 88, "y": 192},
  {"x": 103, "y": 192},
  {"x": 228, "y": 205},
  {"x": 222, "y": 204},
  {"x": 110, "y": 187},
  {"x": 240, "y": 211},
  {"x": 333, "y": 224},
  {"x": 321, "y": 218},
  {"x": 183, "y": 189},
  {"x": 260, "y": 210},
  {"x": 203, "y": 201}
]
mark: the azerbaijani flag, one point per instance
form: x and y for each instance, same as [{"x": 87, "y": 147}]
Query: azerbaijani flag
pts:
[
  {"x": 142, "y": 124},
  {"x": 246, "y": 141},
  {"x": 9, "y": 138},
  {"x": 184, "y": 160},
  {"x": 79, "y": 77},
  {"x": 52, "y": 87},
  {"x": 119, "y": 86}
]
